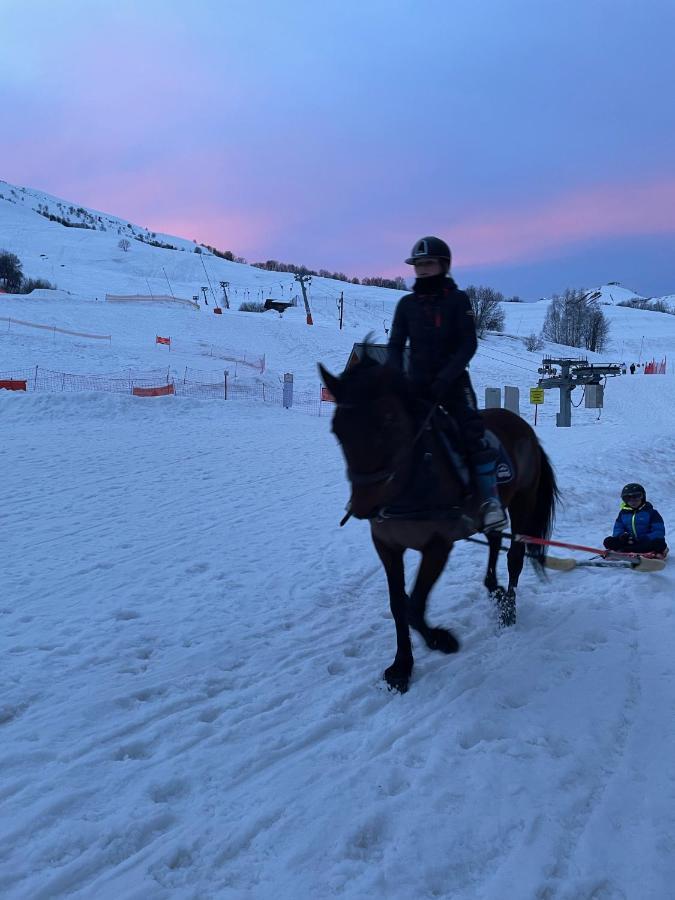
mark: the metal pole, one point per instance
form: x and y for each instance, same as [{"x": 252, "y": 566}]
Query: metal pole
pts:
[
  {"x": 303, "y": 279},
  {"x": 209, "y": 281},
  {"x": 169, "y": 283},
  {"x": 224, "y": 285},
  {"x": 564, "y": 418}
]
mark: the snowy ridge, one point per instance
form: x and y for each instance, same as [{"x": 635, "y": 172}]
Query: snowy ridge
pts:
[{"x": 192, "y": 648}]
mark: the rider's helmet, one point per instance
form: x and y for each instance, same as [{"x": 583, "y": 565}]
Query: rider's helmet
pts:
[
  {"x": 633, "y": 489},
  {"x": 430, "y": 248}
]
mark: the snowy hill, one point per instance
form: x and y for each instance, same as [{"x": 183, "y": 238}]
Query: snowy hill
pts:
[
  {"x": 192, "y": 648},
  {"x": 88, "y": 264},
  {"x": 86, "y": 260},
  {"x": 615, "y": 293}
]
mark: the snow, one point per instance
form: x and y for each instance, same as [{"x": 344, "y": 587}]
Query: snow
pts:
[{"x": 192, "y": 648}]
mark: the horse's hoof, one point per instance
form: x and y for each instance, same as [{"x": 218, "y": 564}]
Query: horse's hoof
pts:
[
  {"x": 507, "y": 609},
  {"x": 396, "y": 680},
  {"x": 442, "y": 640}
]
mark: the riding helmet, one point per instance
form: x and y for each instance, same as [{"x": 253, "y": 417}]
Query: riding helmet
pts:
[{"x": 429, "y": 248}]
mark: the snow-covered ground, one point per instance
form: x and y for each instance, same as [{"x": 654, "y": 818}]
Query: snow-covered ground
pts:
[{"x": 192, "y": 648}]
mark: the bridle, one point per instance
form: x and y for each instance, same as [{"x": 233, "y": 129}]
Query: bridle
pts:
[{"x": 361, "y": 479}]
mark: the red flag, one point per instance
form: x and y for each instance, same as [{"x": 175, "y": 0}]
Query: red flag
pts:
[{"x": 162, "y": 340}]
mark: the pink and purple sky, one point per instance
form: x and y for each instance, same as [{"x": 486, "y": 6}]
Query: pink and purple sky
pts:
[{"x": 537, "y": 138}]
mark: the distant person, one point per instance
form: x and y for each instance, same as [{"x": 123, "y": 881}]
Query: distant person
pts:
[
  {"x": 639, "y": 528},
  {"x": 438, "y": 321},
  {"x": 632, "y": 368}
]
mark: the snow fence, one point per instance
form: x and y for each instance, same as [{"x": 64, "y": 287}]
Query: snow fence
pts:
[{"x": 193, "y": 383}]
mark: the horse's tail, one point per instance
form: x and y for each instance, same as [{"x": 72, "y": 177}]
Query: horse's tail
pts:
[{"x": 543, "y": 514}]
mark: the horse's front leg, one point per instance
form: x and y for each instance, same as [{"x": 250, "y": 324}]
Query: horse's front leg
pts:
[
  {"x": 505, "y": 599},
  {"x": 491, "y": 581},
  {"x": 515, "y": 559},
  {"x": 434, "y": 558},
  {"x": 398, "y": 674}
]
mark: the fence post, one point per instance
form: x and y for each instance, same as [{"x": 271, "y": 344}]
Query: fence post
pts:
[
  {"x": 493, "y": 398},
  {"x": 512, "y": 399},
  {"x": 225, "y": 384},
  {"x": 35, "y": 382},
  {"x": 288, "y": 390}
]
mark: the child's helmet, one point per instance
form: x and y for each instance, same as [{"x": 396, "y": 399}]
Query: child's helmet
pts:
[{"x": 631, "y": 490}]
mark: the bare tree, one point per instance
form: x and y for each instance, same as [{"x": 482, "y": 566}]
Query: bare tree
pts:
[
  {"x": 124, "y": 245},
  {"x": 533, "y": 342},
  {"x": 597, "y": 329},
  {"x": 487, "y": 309},
  {"x": 576, "y": 320}
]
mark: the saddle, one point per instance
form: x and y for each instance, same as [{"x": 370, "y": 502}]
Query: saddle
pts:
[
  {"x": 420, "y": 498},
  {"x": 450, "y": 438}
]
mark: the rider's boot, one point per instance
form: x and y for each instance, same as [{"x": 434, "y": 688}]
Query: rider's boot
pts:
[{"x": 492, "y": 515}]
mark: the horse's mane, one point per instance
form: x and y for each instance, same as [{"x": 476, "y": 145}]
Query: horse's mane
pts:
[{"x": 369, "y": 379}]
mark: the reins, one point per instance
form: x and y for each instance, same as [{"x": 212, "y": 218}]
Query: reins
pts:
[
  {"x": 428, "y": 419},
  {"x": 376, "y": 477}
]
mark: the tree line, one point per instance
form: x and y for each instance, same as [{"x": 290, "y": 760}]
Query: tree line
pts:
[{"x": 273, "y": 265}]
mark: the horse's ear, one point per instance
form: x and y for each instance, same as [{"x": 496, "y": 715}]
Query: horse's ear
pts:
[{"x": 331, "y": 382}]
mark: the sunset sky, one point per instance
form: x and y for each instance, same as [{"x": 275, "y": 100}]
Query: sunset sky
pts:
[{"x": 536, "y": 136}]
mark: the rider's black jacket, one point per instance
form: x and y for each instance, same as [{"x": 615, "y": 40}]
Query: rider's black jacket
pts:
[{"x": 438, "y": 320}]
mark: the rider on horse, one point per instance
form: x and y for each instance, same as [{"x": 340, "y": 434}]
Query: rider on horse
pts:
[{"x": 438, "y": 320}]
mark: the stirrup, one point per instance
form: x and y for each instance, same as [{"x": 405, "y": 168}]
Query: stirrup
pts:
[{"x": 493, "y": 517}]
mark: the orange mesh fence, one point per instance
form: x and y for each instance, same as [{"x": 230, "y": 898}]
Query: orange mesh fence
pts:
[{"x": 206, "y": 386}]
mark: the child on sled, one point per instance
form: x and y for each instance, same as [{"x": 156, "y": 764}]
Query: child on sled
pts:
[{"x": 638, "y": 528}]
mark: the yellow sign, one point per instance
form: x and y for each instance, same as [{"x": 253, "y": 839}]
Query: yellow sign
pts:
[{"x": 536, "y": 396}]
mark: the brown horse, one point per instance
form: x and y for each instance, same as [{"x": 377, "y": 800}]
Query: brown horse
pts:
[{"x": 392, "y": 461}]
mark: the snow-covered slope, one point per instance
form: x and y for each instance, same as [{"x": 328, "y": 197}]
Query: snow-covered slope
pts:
[
  {"x": 616, "y": 293},
  {"x": 192, "y": 648},
  {"x": 88, "y": 263}
]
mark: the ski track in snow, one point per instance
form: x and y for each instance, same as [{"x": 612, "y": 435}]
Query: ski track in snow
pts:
[{"x": 194, "y": 705}]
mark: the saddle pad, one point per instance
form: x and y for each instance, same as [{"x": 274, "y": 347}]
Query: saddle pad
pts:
[{"x": 505, "y": 468}]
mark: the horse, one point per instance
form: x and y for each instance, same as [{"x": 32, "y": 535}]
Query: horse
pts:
[{"x": 377, "y": 423}]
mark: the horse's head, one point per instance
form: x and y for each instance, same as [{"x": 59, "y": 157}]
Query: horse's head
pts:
[{"x": 374, "y": 424}]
